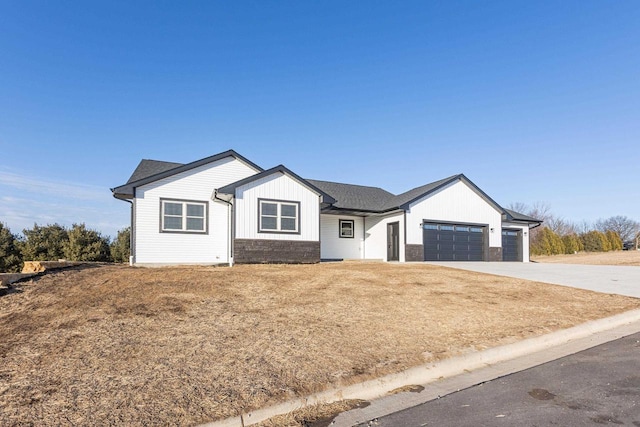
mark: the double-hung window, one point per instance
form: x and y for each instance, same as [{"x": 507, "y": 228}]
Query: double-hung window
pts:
[
  {"x": 183, "y": 216},
  {"x": 276, "y": 216},
  {"x": 346, "y": 228}
]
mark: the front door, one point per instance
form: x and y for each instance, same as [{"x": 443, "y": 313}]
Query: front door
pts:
[{"x": 393, "y": 241}]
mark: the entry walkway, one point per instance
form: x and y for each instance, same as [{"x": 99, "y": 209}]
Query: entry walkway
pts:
[{"x": 622, "y": 280}]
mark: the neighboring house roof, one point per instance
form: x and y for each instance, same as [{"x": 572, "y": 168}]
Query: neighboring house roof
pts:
[
  {"x": 230, "y": 188},
  {"x": 354, "y": 197},
  {"x": 153, "y": 170}
]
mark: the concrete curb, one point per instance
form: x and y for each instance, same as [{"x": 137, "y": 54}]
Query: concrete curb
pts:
[{"x": 431, "y": 372}]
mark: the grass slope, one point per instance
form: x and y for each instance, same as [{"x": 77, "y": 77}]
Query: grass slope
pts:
[{"x": 181, "y": 346}]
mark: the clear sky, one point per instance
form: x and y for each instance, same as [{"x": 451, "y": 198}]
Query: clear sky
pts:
[{"x": 531, "y": 100}]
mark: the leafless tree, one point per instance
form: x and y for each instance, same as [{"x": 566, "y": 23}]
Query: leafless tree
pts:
[
  {"x": 519, "y": 207},
  {"x": 626, "y": 228},
  {"x": 560, "y": 226}
]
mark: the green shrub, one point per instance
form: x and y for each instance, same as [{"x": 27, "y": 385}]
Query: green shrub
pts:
[
  {"x": 547, "y": 243},
  {"x": 615, "y": 242},
  {"x": 595, "y": 241},
  {"x": 44, "y": 243},
  {"x": 85, "y": 244},
  {"x": 572, "y": 244},
  {"x": 10, "y": 258},
  {"x": 120, "y": 247}
]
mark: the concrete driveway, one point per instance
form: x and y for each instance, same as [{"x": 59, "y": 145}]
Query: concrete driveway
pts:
[{"x": 623, "y": 280}]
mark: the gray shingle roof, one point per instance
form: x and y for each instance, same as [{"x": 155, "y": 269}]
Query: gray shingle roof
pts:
[
  {"x": 347, "y": 196},
  {"x": 148, "y": 167},
  {"x": 517, "y": 216},
  {"x": 153, "y": 170},
  {"x": 356, "y": 197},
  {"x": 375, "y": 199}
]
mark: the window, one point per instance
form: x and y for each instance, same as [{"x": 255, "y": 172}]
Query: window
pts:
[
  {"x": 183, "y": 216},
  {"x": 346, "y": 228},
  {"x": 279, "y": 216}
]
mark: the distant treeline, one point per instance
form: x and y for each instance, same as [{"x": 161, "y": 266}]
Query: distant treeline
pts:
[
  {"x": 559, "y": 236},
  {"x": 53, "y": 242}
]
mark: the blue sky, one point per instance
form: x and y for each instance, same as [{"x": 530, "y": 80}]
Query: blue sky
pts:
[{"x": 533, "y": 101}]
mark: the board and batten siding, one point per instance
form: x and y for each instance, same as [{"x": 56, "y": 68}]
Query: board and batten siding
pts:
[
  {"x": 375, "y": 242},
  {"x": 154, "y": 247},
  {"x": 525, "y": 237},
  {"x": 457, "y": 203},
  {"x": 277, "y": 186},
  {"x": 332, "y": 246}
]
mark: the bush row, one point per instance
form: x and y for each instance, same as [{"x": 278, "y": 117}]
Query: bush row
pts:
[
  {"x": 53, "y": 242},
  {"x": 546, "y": 242}
]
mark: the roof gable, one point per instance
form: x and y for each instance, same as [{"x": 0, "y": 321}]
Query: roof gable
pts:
[
  {"x": 230, "y": 188},
  {"x": 420, "y": 192},
  {"x": 406, "y": 198},
  {"x": 153, "y": 170}
]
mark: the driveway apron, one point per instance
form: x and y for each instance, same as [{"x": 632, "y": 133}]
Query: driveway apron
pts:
[{"x": 622, "y": 280}]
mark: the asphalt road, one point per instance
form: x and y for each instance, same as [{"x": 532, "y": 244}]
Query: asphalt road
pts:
[{"x": 598, "y": 386}]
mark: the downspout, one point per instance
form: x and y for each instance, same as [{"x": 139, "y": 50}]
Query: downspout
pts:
[
  {"x": 364, "y": 237},
  {"x": 229, "y": 228},
  {"x": 131, "y": 244},
  {"x": 131, "y": 233}
]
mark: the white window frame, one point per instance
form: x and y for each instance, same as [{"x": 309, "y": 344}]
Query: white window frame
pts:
[
  {"x": 184, "y": 217},
  {"x": 353, "y": 228},
  {"x": 278, "y": 216}
]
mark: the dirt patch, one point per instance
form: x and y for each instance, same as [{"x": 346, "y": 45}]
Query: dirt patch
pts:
[
  {"x": 134, "y": 346},
  {"x": 593, "y": 258},
  {"x": 314, "y": 415}
]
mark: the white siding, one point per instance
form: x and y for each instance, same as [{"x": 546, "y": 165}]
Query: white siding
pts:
[
  {"x": 376, "y": 236},
  {"x": 276, "y": 187},
  {"x": 332, "y": 246},
  {"x": 154, "y": 247},
  {"x": 525, "y": 237},
  {"x": 456, "y": 202}
]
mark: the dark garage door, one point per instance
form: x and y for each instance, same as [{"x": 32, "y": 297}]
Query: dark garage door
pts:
[
  {"x": 511, "y": 245},
  {"x": 453, "y": 242}
]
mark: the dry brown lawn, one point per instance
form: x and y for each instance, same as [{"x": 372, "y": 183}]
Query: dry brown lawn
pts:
[
  {"x": 181, "y": 346},
  {"x": 594, "y": 258}
]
